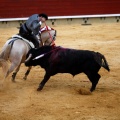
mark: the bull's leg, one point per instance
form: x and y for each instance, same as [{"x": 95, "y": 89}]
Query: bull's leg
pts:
[
  {"x": 94, "y": 78},
  {"x": 27, "y": 73},
  {"x": 41, "y": 85},
  {"x": 94, "y": 81}
]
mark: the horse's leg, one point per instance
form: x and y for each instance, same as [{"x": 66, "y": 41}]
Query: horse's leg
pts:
[
  {"x": 15, "y": 73},
  {"x": 12, "y": 67},
  {"x": 27, "y": 73}
]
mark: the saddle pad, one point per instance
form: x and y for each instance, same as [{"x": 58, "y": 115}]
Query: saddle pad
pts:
[{"x": 18, "y": 36}]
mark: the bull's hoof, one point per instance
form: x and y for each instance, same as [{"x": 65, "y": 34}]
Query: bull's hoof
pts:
[
  {"x": 40, "y": 88},
  {"x": 92, "y": 89},
  {"x": 13, "y": 80}
]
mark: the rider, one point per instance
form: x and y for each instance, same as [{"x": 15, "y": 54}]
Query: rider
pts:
[{"x": 31, "y": 28}]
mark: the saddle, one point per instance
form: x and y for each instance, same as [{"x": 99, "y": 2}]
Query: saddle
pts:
[{"x": 16, "y": 37}]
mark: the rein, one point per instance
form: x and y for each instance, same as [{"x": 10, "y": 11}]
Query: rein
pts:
[
  {"x": 42, "y": 55},
  {"x": 52, "y": 41}
]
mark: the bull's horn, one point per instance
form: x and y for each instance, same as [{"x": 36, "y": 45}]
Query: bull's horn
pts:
[{"x": 30, "y": 55}]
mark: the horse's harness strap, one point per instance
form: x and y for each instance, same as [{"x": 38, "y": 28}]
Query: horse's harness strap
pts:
[
  {"x": 12, "y": 41},
  {"x": 16, "y": 38}
]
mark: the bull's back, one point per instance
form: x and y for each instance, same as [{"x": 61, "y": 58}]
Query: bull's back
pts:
[
  {"x": 73, "y": 56},
  {"x": 74, "y": 61}
]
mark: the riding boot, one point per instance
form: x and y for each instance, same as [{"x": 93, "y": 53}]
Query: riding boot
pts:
[
  {"x": 35, "y": 41},
  {"x": 36, "y": 44}
]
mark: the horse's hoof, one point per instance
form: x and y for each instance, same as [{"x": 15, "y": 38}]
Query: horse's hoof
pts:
[{"x": 24, "y": 78}]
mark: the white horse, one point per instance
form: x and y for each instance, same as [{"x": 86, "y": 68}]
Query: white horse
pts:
[{"x": 15, "y": 50}]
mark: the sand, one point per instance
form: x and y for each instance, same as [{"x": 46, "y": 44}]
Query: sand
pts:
[{"x": 65, "y": 97}]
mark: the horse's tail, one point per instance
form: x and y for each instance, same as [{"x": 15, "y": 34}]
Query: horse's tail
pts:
[
  {"x": 4, "y": 65},
  {"x": 4, "y": 55},
  {"x": 101, "y": 60},
  {"x": 5, "y": 52}
]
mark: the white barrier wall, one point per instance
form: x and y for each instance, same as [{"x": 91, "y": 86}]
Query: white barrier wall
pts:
[{"x": 58, "y": 20}]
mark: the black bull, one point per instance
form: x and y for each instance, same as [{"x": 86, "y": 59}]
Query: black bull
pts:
[{"x": 64, "y": 60}]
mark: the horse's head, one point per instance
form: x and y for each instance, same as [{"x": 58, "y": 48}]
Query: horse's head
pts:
[{"x": 48, "y": 35}]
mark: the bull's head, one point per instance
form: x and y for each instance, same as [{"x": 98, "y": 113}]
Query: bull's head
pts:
[
  {"x": 34, "y": 56},
  {"x": 29, "y": 57}
]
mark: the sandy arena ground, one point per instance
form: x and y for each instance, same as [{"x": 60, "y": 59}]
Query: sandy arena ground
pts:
[{"x": 60, "y": 99}]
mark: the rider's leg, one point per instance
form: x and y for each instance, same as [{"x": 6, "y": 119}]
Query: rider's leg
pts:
[
  {"x": 35, "y": 41},
  {"x": 31, "y": 37}
]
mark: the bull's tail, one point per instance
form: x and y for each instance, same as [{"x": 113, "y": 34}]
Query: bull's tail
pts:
[
  {"x": 101, "y": 60},
  {"x": 4, "y": 55}
]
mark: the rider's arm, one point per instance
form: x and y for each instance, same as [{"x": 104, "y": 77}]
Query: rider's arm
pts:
[
  {"x": 37, "y": 24},
  {"x": 36, "y": 27}
]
